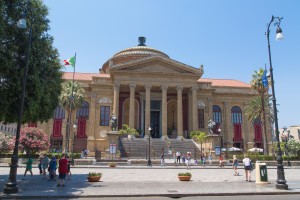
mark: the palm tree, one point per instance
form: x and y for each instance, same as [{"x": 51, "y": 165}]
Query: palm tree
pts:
[
  {"x": 256, "y": 84},
  {"x": 71, "y": 97},
  {"x": 199, "y": 136}
]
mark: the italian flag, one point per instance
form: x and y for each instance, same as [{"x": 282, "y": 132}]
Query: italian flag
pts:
[{"x": 70, "y": 61}]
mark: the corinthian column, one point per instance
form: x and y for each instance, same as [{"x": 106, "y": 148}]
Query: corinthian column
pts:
[
  {"x": 147, "y": 107},
  {"x": 164, "y": 110},
  {"x": 116, "y": 99},
  {"x": 131, "y": 105},
  {"x": 194, "y": 108},
  {"x": 179, "y": 111}
]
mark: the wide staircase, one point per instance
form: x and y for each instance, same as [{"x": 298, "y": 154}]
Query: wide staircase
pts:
[{"x": 139, "y": 147}]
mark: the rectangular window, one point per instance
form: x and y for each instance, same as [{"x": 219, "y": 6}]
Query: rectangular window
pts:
[
  {"x": 104, "y": 115},
  {"x": 201, "y": 118}
]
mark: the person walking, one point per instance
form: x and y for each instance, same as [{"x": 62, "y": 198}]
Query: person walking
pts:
[
  {"x": 188, "y": 160},
  {"x": 52, "y": 169},
  {"x": 45, "y": 164},
  {"x": 62, "y": 170},
  {"x": 28, "y": 166},
  {"x": 162, "y": 160},
  {"x": 69, "y": 173},
  {"x": 203, "y": 161},
  {"x": 183, "y": 158},
  {"x": 178, "y": 155},
  {"x": 209, "y": 160},
  {"x": 235, "y": 164},
  {"x": 41, "y": 158},
  {"x": 221, "y": 161},
  {"x": 174, "y": 158},
  {"x": 248, "y": 167}
]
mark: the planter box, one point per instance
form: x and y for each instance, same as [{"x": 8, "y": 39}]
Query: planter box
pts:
[
  {"x": 94, "y": 178},
  {"x": 184, "y": 178}
]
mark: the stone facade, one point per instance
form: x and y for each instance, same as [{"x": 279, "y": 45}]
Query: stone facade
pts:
[{"x": 143, "y": 87}]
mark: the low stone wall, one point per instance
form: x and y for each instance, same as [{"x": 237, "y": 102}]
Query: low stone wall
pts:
[{"x": 85, "y": 161}]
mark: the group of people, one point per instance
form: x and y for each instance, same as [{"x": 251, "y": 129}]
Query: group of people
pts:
[
  {"x": 51, "y": 165},
  {"x": 248, "y": 166}
]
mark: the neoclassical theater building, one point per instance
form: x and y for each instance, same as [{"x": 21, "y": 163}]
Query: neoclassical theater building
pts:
[{"x": 144, "y": 87}]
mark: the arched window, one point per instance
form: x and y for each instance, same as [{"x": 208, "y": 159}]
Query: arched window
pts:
[
  {"x": 83, "y": 111},
  {"x": 201, "y": 109},
  {"x": 217, "y": 114},
  {"x": 236, "y": 115},
  {"x": 59, "y": 113}
]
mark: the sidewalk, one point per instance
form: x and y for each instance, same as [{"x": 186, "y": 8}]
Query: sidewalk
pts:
[{"x": 148, "y": 181}]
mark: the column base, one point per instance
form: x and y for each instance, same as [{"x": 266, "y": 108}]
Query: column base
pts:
[
  {"x": 282, "y": 186},
  {"x": 11, "y": 189}
]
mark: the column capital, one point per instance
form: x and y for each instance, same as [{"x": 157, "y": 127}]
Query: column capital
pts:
[
  {"x": 164, "y": 87},
  {"x": 148, "y": 86},
  {"x": 93, "y": 95},
  {"x": 225, "y": 103},
  {"x": 132, "y": 85},
  {"x": 194, "y": 88},
  {"x": 179, "y": 87},
  {"x": 117, "y": 86}
]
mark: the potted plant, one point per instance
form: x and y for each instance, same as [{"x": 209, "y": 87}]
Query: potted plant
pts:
[
  {"x": 128, "y": 132},
  {"x": 184, "y": 176},
  {"x": 112, "y": 164},
  {"x": 94, "y": 176}
]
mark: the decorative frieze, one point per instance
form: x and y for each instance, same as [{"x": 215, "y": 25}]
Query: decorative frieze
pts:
[{"x": 105, "y": 100}]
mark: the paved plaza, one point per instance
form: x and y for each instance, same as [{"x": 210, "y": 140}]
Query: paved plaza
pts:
[{"x": 149, "y": 181}]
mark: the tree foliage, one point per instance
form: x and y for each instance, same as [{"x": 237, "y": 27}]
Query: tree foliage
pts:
[
  {"x": 199, "y": 136},
  {"x": 6, "y": 143},
  {"x": 33, "y": 140},
  {"x": 258, "y": 107},
  {"x": 44, "y": 70}
]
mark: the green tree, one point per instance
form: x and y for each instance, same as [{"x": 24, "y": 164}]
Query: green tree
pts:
[
  {"x": 44, "y": 71},
  {"x": 293, "y": 147},
  {"x": 71, "y": 97},
  {"x": 199, "y": 136},
  {"x": 257, "y": 107}
]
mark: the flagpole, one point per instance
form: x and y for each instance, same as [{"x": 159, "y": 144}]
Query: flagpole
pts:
[{"x": 71, "y": 101}]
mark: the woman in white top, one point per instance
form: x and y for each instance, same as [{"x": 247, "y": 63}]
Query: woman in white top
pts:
[{"x": 247, "y": 166}]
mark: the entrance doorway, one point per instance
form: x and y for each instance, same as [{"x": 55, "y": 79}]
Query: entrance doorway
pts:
[{"x": 155, "y": 123}]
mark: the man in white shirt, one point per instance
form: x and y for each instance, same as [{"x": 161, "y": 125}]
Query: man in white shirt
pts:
[{"x": 178, "y": 154}]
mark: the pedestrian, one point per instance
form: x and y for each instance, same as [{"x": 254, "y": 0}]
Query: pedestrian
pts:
[
  {"x": 203, "y": 161},
  {"x": 52, "y": 169},
  {"x": 86, "y": 153},
  {"x": 248, "y": 167},
  {"x": 209, "y": 160},
  {"x": 69, "y": 174},
  {"x": 221, "y": 161},
  {"x": 62, "y": 170},
  {"x": 29, "y": 166},
  {"x": 174, "y": 158},
  {"x": 162, "y": 160},
  {"x": 41, "y": 157},
  {"x": 183, "y": 158},
  {"x": 188, "y": 160},
  {"x": 235, "y": 164},
  {"x": 178, "y": 155},
  {"x": 45, "y": 164}
]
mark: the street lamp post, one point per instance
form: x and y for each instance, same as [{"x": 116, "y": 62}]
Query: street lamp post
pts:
[
  {"x": 12, "y": 186},
  {"x": 221, "y": 138},
  {"x": 149, "y": 164},
  {"x": 285, "y": 136},
  {"x": 73, "y": 141},
  {"x": 281, "y": 182}
]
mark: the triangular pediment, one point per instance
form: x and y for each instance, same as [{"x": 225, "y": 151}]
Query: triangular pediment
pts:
[{"x": 156, "y": 64}]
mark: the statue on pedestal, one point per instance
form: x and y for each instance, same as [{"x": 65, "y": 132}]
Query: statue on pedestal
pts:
[
  {"x": 211, "y": 125},
  {"x": 114, "y": 122}
]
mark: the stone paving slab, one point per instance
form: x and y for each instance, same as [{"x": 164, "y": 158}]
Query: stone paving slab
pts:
[{"x": 148, "y": 181}]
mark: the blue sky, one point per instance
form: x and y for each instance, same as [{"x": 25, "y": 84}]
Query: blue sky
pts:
[{"x": 226, "y": 36}]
